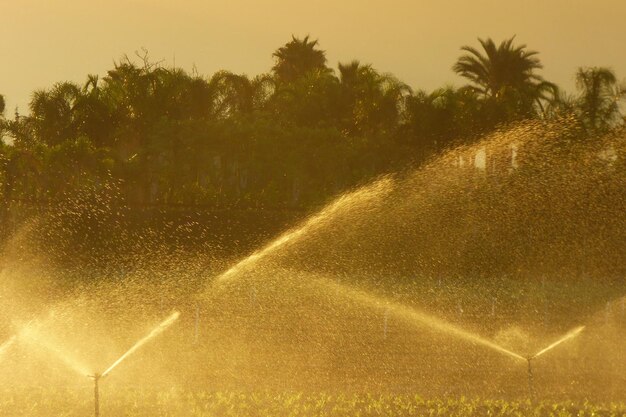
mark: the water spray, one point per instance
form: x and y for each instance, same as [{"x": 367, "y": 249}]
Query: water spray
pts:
[
  {"x": 410, "y": 314},
  {"x": 427, "y": 320},
  {"x": 569, "y": 335},
  {"x": 6, "y": 345},
  {"x": 155, "y": 332},
  {"x": 97, "y": 376},
  {"x": 370, "y": 193},
  {"x": 30, "y": 334}
]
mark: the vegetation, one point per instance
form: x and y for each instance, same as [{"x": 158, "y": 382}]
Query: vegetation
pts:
[
  {"x": 291, "y": 138},
  {"x": 176, "y": 403},
  {"x": 598, "y": 104},
  {"x": 505, "y": 78}
]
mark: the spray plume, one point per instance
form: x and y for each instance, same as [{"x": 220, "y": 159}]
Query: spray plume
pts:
[
  {"x": 368, "y": 193},
  {"x": 412, "y": 315},
  {"x": 6, "y": 345},
  {"x": 571, "y": 334},
  {"x": 155, "y": 332},
  {"x": 29, "y": 333}
]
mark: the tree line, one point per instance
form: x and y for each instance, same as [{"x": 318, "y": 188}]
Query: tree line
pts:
[{"x": 292, "y": 137}]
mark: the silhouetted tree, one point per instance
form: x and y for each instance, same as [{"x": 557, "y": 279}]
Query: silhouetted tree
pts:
[
  {"x": 369, "y": 101},
  {"x": 52, "y": 113},
  {"x": 242, "y": 95},
  {"x": 289, "y": 138},
  {"x": 598, "y": 104},
  {"x": 308, "y": 100},
  {"x": 505, "y": 74},
  {"x": 2, "y": 121},
  {"x": 297, "y": 58}
]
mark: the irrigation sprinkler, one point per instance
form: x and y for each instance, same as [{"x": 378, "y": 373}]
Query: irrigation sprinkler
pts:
[
  {"x": 98, "y": 376},
  {"x": 531, "y": 388},
  {"x": 82, "y": 369},
  {"x": 96, "y": 393},
  {"x": 569, "y": 335}
]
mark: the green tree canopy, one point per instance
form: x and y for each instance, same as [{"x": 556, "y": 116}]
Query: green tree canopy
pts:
[
  {"x": 505, "y": 74},
  {"x": 297, "y": 58},
  {"x": 369, "y": 101},
  {"x": 293, "y": 136},
  {"x": 598, "y": 104}
]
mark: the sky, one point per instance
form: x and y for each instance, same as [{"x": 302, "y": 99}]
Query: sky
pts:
[{"x": 46, "y": 41}]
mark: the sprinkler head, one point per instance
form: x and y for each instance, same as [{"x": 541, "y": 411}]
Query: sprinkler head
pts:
[{"x": 95, "y": 376}]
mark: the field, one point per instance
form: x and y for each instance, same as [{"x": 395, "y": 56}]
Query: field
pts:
[{"x": 62, "y": 403}]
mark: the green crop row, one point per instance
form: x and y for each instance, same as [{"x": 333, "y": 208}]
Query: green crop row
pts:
[{"x": 132, "y": 403}]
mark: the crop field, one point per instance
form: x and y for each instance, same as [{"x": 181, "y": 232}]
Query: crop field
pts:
[
  {"x": 443, "y": 291},
  {"x": 172, "y": 403}
]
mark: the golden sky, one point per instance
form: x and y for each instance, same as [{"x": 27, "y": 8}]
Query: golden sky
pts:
[{"x": 44, "y": 41}]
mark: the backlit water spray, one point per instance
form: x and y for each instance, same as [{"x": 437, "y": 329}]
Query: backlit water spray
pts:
[
  {"x": 364, "y": 195},
  {"x": 367, "y": 194},
  {"x": 411, "y": 315},
  {"x": 30, "y": 334},
  {"x": 155, "y": 332},
  {"x": 569, "y": 335},
  {"x": 6, "y": 345}
]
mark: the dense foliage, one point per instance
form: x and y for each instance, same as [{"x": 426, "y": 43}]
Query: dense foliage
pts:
[
  {"x": 175, "y": 403},
  {"x": 293, "y": 137}
]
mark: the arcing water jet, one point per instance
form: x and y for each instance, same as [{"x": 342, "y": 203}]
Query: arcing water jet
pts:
[
  {"x": 414, "y": 315},
  {"x": 411, "y": 315},
  {"x": 569, "y": 335},
  {"x": 153, "y": 333},
  {"x": 30, "y": 334},
  {"x": 369, "y": 193},
  {"x": 6, "y": 345}
]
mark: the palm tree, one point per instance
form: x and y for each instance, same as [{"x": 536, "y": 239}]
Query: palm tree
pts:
[
  {"x": 506, "y": 74},
  {"x": 436, "y": 119},
  {"x": 240, "y": 94},
  {"x": 598, "y": 104},
  {"x": 202, "y": 98},
  {"x": 2, "y": 122},
  {"x": 368, "y": 99},
  {"x": 309, "y": 100},
  {"x": 297, "y": 58},
  {"x": 562, "y": 104},
  {"x": 351, "y": 73},
  {"x": 93, "y": 113},
  {"x": 52, "y": 112}
]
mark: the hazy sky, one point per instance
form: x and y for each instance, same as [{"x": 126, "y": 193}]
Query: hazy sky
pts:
[{"x": 44, "y": 41}]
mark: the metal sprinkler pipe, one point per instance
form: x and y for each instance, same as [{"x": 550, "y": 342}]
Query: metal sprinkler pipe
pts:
[
  {"x": 531, "y": 387},
  {"x": 97, "y": 376},
  {"x": 96, "y": 393},
  {"x": 571, "y": 334}
]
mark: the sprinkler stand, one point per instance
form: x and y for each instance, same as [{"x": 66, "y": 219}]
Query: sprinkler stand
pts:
[
  {"x": 96, "y": 393},
  {"x": 531, "y": 388}
]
